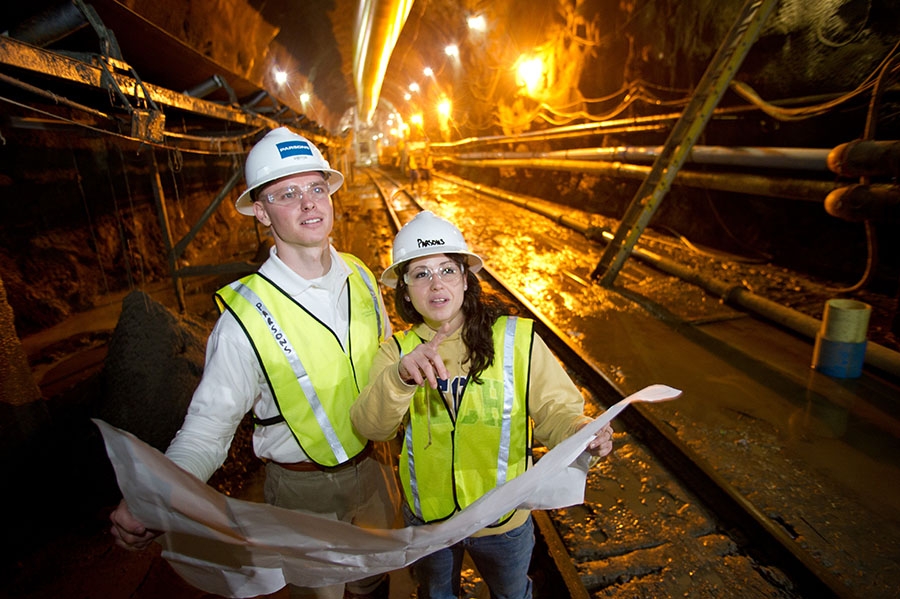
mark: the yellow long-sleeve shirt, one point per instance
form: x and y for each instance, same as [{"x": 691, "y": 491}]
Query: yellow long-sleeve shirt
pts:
[{"x": 554, "y": 402}]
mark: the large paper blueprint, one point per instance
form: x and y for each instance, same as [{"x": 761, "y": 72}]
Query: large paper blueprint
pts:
[{"x": 238, "y": 548}]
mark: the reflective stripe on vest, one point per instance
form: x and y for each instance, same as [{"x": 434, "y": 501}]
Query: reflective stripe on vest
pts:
[
  {"x": 445, "y": 464},
  {"x": 302, "y": 358}
]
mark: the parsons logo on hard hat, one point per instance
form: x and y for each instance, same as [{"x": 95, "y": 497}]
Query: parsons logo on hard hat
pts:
[
  {"x": 427, "y": 243},
  {"x": 294, "y": 148}
]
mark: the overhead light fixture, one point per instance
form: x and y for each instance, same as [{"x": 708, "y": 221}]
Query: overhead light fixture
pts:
[{"x": 477, "y": 23}]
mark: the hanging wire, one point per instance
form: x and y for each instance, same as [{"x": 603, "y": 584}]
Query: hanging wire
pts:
[
  {"x": 120, "y": 224},
  {"x": 764, "y": 257},
  {"x": 90, "y": 222},
  {"x": 885, "y": 76},
  {"x": 212, "y": 140},
  {"x": 805, "y": 112},
  {"x": 175, "y": 162},
  {"x": 131, "y": 207},
  {"x": 838, "y": 23},
  {"x": 640, "y": 91}
]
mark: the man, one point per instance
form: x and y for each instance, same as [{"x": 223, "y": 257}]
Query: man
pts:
[
  {"x": 413, "y": 168},
  {"x": 425, "y": 168},
  {"x": 294, "y": 344}
]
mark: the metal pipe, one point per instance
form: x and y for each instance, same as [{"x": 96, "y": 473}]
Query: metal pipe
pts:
[
  {"x": 259, "y": 97},
  {"x": 877, "y": 355},
  {"x": 50, "y": 26},
  {"x": 789, "y": 188},
  {"x": 810, "y": 159},
  {"x": 866, "y": 159},
  {"x": 858, "y": 203},
  {"x": 204, "y": 88},
  {"x": 378, "y": 27}
]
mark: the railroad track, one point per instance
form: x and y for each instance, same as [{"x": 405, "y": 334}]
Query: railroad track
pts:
[{"x": 654, "y": 511}]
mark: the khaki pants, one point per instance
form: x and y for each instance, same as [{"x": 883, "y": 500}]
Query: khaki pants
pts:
[{"x": 365, "y": 494}]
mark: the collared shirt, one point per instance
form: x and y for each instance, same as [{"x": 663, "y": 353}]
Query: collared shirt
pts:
[{"x": 233, "y": 381}]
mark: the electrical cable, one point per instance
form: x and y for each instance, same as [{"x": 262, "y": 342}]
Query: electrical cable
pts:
[
  {"x": 884, "y": 77},
  {"x": 90, "y": 221},
  {"x": 62, "y": 119}
]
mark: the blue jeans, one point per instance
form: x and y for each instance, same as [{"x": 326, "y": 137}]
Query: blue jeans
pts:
[{"x": 502, "y": 560}]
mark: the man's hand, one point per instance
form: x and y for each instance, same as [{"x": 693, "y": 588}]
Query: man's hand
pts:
[
  {"x": 130, "y": 533},
  {"x": 424, "y": 362}
]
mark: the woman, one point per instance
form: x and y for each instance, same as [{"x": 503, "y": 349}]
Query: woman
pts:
[{"x": 472, "y": 388}]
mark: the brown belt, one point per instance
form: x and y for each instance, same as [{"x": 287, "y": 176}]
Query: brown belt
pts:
[{"x": 309, "y": 466}]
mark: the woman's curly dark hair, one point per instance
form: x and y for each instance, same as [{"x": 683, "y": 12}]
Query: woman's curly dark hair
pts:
[{"x": 481, "y": 311}]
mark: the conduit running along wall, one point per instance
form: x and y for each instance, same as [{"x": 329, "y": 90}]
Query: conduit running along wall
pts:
[{"x": 877, "y": 355}]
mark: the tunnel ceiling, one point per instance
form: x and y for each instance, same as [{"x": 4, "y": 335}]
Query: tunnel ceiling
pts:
[
  {"x": 181, "y": 45},
  {"x": 606, "y": 55}
]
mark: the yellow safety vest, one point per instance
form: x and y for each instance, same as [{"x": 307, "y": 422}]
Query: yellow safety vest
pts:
[
  {"x": 447, "y": 464},
  {"x": 312, "y": 379}
]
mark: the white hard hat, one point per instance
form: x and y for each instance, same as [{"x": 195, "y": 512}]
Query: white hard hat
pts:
[
  {"x": 427, "y": 235},
  {"x": 279, "y": 154}
]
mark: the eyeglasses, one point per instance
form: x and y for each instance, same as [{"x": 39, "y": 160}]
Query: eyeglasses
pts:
[
  {"x": 448, "y": 272},
  {"x": 290, "y": 195}
]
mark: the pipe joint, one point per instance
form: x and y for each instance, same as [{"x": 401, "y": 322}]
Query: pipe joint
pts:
[
  {"x": 857, "y": 203},
  {"x": 860, "y": 158}
]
